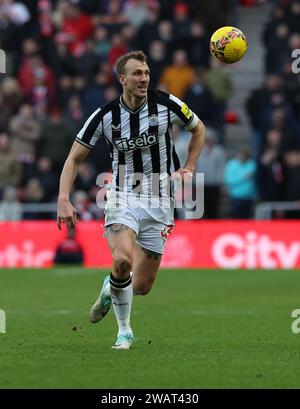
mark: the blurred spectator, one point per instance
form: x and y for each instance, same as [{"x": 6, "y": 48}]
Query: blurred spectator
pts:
[
  {"x": 278, "y": 113},
  {"x": 215, "y": 13},
  {"x": 277, "y": 45},
  {"x": 270, "y": 175},
  {"x": 94, "y": 95},
  {"x": 16, "y": 12},
  {"x": 182, "y": 22},
  {"x": 256, "y": 104},
  {"x": 86, "y": 178},
  {"x": 47, "y": 177},
  {"x": 66, "y": 90},
  {"x": 148, "y": 32},
  {"x": 34, "y": 74},
  {"x": 197, "y": 44},
  {"x": 156, "y": 61},
  {"x": 10, "y": 168},
  {"x": 292, "y": 172},
  {"x": 82, "y": 205},
  {"x": 25, "y": 132},
  {"x": 137, "y": 11},
  {"x": 84, "y": 62},
  {"x": 219, "y": 84},
  {"x": 62, "y": 62},
  {"x": 40, "y": 97},
  {"x": 30, "y": 47},
  {"x": 110, "y": 94},
  {"x": 59, "y": 12},
  {"x": 200, "y": 100},
  {"x": 212, "y": 162},
  {"x": 33, "y": 192},
  {"x": 118, "y": 48},
  {"x": 75, "y": 27},
  {"x": 10, "y": 208},
  {"x": 239, "y": 178},
  {"x": 165, "y": 34},
  {"x": 45, "y": 20},
  {"x": 74, "y": 114},
  {"x": 112, "y": 18},
  {"x": 101, "y": 42},
  {"x": 292, "y": 87},
  {"x": 278, "y": 16},
  {"x": 55, "y": 134},
  {"x": 69, "y": 250},
  {"x": 179, "y": 76},
  {"x": 129, "y": 35},
  {"x": 181, "y": 138},
  {"x": 293, "y": 15},
  {"x": 260, "y": 97},
  {"x": 10, "y": 100}
]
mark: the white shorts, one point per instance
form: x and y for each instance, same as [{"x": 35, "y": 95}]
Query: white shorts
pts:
[{"x": 152, "y": 226}]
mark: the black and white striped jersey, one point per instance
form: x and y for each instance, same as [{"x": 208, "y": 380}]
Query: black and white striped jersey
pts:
[{"x": 141, "y": 143}]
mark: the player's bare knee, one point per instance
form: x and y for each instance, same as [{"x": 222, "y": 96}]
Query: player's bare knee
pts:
[{"x": 142, "y": 290}]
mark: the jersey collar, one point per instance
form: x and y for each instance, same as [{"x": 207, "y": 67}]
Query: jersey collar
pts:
[{"x": 122, "y": 102}]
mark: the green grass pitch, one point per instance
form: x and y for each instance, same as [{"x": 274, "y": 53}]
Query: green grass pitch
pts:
[{"x": 196, "y": 329}]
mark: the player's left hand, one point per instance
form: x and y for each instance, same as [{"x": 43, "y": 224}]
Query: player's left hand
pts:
[
  {"x": 67, "y": 214},
  {"x": 183, "y": 174}
]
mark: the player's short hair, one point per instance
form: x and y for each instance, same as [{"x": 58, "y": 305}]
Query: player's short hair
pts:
[{"x": 135, "y": 55}]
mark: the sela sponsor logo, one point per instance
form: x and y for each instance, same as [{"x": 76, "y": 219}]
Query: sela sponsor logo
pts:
[
  {"x": 141, "y": 141},
  {"x": 25, "y": 255},
  {"x": 253, "y": 250}
]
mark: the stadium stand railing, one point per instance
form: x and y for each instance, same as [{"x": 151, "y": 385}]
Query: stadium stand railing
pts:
[{"x": 265, "y": 210}]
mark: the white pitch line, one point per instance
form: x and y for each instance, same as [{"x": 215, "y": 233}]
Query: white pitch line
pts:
[
  {"x": 52, "y": 312},
  {"x": 55, "y": 312},
  {"x": 222, "y": 312},
  {"x": 73, "y": 272}
]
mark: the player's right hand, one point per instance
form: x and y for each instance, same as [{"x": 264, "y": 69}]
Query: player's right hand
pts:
[{"x": 66, "y": 213}]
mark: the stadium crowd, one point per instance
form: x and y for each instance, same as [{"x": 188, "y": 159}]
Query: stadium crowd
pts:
[
  {"x": 60, "y": 57},
  {"x": 274, "y": 109}
]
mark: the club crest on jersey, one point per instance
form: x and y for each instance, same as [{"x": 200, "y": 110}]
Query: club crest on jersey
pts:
[
  {"x": 153, "y": 120},
  {"x": 142, "y": 141}
]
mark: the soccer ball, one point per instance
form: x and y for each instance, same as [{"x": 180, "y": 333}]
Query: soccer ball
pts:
[{"x": 228, "y": 44}]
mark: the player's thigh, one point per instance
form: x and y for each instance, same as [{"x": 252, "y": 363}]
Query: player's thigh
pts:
[
  {"x": 121, "y": 240},
  {"x": 145, "y": 267},
  {"x": 148, "y": 253}
]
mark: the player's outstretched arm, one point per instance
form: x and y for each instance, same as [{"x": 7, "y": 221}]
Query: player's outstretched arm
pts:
[
  {"x": 66, "y": 213},
  {"x": 194, "y": 149}
]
